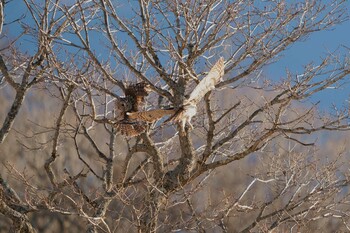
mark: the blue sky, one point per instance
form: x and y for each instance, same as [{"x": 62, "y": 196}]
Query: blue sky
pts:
[
  {"x": 318, "y": 45},
  {"x": 315, "y": 47}
]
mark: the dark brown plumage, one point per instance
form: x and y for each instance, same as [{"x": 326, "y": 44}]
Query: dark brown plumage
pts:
[
  {"x": 136, "y": 94},
  {"x": 130, "y": 129},
  {"x": 133, "y": 101}
]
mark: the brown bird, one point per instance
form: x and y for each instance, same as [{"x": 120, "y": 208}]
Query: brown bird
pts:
[
  {"x": 136, "y": 94},
  {"x": 150, "y": 115},
  {"x": 129, "y": 106},
  {"x": 131, "y": 129},
  {"x": 134, "y": 100}
]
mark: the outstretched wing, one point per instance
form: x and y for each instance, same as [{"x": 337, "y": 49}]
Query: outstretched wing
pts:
[
  {"x": 150, "y": 116},
  {"x": 208, "y": 83},
  {"x": 133, "y": 101},
  {"x": 130, "y": 129}
]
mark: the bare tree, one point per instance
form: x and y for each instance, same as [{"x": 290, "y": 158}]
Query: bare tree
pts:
[{"x": 79, "y": 172}]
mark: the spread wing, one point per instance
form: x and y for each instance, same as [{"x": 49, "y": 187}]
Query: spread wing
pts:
[
  {"x": 133, "y": 101},
  {"x": 208, "y": 83},
  {"x": 130, "y": 129},
  {"x": 134, "y": 121},
  {"x": 150, "y": 116}
]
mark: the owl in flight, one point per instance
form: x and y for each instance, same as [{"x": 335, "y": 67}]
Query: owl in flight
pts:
[
  {"x": 189, "y": 108},
  {"x": 132, "y": 102}
]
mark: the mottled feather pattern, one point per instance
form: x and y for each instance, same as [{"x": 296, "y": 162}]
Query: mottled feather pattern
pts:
[
  {"x": 130, "y": 129},
  {"x": 137, "y": 92},
  {"x": 123, "y": 105},
  {"x": 133, "y": 101},
  {"x": 151, "y": 115},
  {"x": 138, "y": 89},
  {"x": 133, "y": 120}
]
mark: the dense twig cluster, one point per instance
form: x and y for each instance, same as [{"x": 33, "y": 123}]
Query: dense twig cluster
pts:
[{"x": 81, "y": 171}]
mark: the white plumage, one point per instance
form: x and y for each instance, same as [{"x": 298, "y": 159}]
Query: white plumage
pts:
[{"x": 207, "y": 84}]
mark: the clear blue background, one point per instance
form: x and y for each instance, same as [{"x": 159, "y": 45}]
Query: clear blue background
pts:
[{"x": 312, "y": 49}]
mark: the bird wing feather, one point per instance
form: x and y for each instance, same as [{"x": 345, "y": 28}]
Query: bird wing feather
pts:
[
  {"x": 130, "y": 129},
  {"x": 151, "y": 115},
  {"x": 207, "y": 83}
]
